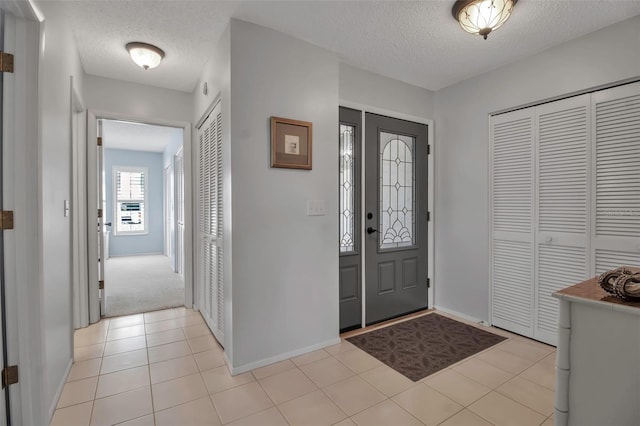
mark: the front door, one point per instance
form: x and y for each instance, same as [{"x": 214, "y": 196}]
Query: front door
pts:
[{"x": 395, "y": 217}]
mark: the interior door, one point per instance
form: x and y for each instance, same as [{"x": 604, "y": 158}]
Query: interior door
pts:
[
  {"x": 5, "y": 417},
  {"x": 101, "y": 224},
  {"x": 349, "y": 219},
  {"x": 396, "y": 207}
]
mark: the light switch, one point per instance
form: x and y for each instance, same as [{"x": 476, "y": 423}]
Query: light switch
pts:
[
  {"x": 66, "y": 208},
  {"x": 315, "y": 208}
]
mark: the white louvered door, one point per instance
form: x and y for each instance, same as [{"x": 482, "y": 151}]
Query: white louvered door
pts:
[
  {"x": 512, "y": 183},
  {"x": 562, "y": 206},
  {"x": 584, "y": 216},
  {"x": 210, "y": 221},
  {"x": 616, "y": 181}
]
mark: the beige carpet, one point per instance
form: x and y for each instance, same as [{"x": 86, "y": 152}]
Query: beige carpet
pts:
[{"x": 136, "y": 284}]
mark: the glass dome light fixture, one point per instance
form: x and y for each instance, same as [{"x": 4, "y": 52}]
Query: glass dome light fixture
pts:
[
  {"x": 145, "y": 55},
  {"x": 481, "y": 17}
]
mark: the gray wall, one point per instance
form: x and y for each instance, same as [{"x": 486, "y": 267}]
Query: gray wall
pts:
[
  {"x": 136, "y": 100},
  {"x": 461, "y": 123},
  {"x": 153, "y": 241},
  {"x": 59, "y": 60},
  {"x": 368, "y": 89},
  {"x": 285, "y": 263}
]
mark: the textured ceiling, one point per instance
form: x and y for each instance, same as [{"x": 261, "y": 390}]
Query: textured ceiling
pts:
[
  {"x": 137, "y": 136},
  {"x": 416, "y": 42}
]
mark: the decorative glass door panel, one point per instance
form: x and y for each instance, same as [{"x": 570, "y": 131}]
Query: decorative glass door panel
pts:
[
  {"x": 397, "y": 191},
  {"x": 347, "y": 188}
]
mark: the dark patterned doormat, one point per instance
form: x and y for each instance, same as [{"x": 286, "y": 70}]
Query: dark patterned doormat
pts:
[{"x": 419, "y": 347}]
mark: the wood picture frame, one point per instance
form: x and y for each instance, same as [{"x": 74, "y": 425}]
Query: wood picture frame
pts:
[{"x": 291, "y": 143}]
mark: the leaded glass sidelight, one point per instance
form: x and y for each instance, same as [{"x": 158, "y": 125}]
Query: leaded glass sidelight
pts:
[
  {"x": 397, "y": 191},
  {"x": 347, "y": 199}
]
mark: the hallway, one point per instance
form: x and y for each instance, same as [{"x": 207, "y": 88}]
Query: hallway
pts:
[{"x": 165, "y": 368}]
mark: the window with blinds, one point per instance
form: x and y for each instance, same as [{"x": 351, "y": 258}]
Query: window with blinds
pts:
[{"x": 130, "y": 200}]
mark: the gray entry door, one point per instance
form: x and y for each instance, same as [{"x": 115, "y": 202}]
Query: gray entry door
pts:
[
  {"x": 349, "y": 219},
  {"x": 395, "y": 217}
]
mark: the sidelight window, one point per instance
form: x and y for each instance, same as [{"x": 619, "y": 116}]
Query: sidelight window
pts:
[{"x": 347, "y": 188}]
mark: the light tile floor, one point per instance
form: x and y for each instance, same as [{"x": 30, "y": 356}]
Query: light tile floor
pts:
[{"x": 165, "y": 368}]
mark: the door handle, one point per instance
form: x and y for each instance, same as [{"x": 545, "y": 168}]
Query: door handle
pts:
[
  {"x": 370, "y": 230},
  {"x": 107, "y": 224}
]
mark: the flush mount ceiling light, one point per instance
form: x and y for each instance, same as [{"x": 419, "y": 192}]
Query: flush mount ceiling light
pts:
[
  {"x": 145, "y": 55},
  {"x": 482, "y": 16}
]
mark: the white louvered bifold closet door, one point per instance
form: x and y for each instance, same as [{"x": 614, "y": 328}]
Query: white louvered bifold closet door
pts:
[
  {"x": 562, "y": 206},
  {"x": 210, "y": 210},
  {"x": 616, "y": 162},
  {"x": 512, "y": 236}
]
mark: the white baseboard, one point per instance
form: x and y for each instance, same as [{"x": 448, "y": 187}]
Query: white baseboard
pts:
[
  {"x": 56, "y": 397},
  {"x": 281, "y": 357},
  {"x": 461, "y": 315}
]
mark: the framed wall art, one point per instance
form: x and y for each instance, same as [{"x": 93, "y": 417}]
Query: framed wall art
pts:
[{"x": 291, "y": 144}]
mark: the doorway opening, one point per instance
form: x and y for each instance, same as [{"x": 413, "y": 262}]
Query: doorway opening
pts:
[{"x": 141, "y": 235}]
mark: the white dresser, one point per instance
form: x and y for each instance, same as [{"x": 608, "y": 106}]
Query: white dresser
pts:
[{"x": 598, "y": 358}]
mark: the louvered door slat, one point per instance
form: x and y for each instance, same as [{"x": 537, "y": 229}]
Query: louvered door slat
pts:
[
  {"x": 512, "y": 285},
  {"x": 610, "y": 259},
  {"x": 617, "y": 162},
  {"x": 562, "y": 170},
  {"x": 512, "y": 175},
  {"x": 558, "y": 267}
]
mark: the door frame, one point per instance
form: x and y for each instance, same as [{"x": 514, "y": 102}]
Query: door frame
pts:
[
  {"x": 363, "y": 108},
  {"x": 92, "y": 196},
  {"x": 22, "y": 192}
]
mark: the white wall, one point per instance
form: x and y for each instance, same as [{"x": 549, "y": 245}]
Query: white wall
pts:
[
  {"x": 461, "y": 115},
  {"x": 59, "y": 60},
  {"x": 285, "y": 269},
  {"x": 136, "y": 100},
  {"x": 361, "y": 87}
]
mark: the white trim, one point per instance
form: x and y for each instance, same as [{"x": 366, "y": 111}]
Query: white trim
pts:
[
  {"x": 461, "y": 315},
  {"x": 92, "y": 117},
  {"x": 363, "y": 108},
  {"x": 159, "y": 253},
  {"x": 58, "y": 393},
  {"x": 80, "y": 297},
  {"x": 208, "y": 111},
  {"x": 281, "y": 357}
]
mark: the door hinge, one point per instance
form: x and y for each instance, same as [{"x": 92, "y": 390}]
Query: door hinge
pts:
[
  {"x": 6, "y": 219},
  {"x": 99, "y": 213},
  {"x": 99, "y": 140},
  {"x": 428, "y": 282},
  {"x": 428, "y": 149},
  {"x": 428, "y": 216},
  {"x": 9, "y": 375},
  {"x": 101, "y": 285},
  {"x": 6, "y": 62}
]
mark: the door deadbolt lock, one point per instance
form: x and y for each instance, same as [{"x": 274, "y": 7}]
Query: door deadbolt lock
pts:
[{"x": 369, "y": 215}]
